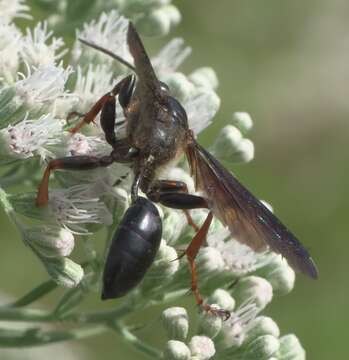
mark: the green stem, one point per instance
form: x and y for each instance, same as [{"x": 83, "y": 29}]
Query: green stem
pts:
[
  {"x": 20, "y": 314},
  {"x": 35, "y": 294},
  {"x": 134, "y": 341},
  {"x": 101, "y": 316},
  {"x": 36, "y": 315},
  {"x": 36, "y": 337}
]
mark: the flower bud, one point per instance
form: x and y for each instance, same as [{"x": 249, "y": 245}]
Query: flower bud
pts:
[
  {"x": 64, "y": 271},
  {"x": 262, "y": 325},
  {"x": 180, "y": 86},
  {"x": 204, "y": 77},
  {"x": 243, "y": 121},
  {"x": 255, "y": 288},
  {"x": 173, "y": 225},
  {"x": 176, "y": 350},
  {"x": 166, "y": 263},
  {"x": 201, "y": 347},
  {"x": 210, "y": 325},
  {"x": 139, "y": 6},
  {"x": 261, "y": 348},
  {"x": 223, "y": 299},
  {"x": 176, "y": 324},
  {"x": 244, "y": 151},
  {"x": 231, "y": 336},
  {"x": 209, "y": 262},
  {"x": 159, "y": 21},
  {"x": 280, "y": 275},
  {"x": 162, "y": 269},
  {"x": 172, "y": 13},
  {"x": 230, "y": 146},
  {"x": 290, "y": 348},
  {"x": 50, "y": 241},
  {"x": 24, "y": 204}
]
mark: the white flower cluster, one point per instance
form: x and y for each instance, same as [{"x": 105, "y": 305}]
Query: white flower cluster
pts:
[{"x": 245, "y": 335}]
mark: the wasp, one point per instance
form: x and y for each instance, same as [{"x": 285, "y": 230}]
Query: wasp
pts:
[{"x": 157, "y": 132}]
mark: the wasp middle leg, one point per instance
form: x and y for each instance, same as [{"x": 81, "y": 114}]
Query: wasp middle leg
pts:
[{"x": 122, "y": 153}]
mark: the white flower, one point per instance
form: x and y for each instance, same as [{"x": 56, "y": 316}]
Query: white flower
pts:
[
  {"x": 201, "y": 109},
  {"x": 64, "y": 271},
  {"x": 231, "y": 146},
  {"x": 176, "y": 350},
  {"x": 240, "y": 259},
  {"x": 79, "y": 144},
  {"x": 13, "y": 9},
  {"x": 109, "y": 31},
  {"x": 170, "y": 57},
  {"x": 255, "y": 288},
  {"x": 77, "y": 206},
  {"x": 243, "y": 121},
  {"x": 165, "y": 264},
  {"x": 50, "y": 241},
  {"x": 32, "y": 137},
  {"x": 234, "y": 329},
  {"x": 36, "y": 51},
  {"x": 222, "y": 299},
  {"x": 10, "y": 44},
  {"x": 204, "y": 77},
  {"x": 262, "y": 325},
  {"x": 201, "y": 347},
  {"x": 208, "y": 262},
  {"x": 89, "y": 87},
  {"x": 42, "y": 86},
  {"x": 176, "y": 323},
  {"x": 290, "y": 348}
]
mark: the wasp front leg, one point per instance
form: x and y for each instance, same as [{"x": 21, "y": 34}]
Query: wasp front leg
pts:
[{"x": 123, "y": 88}]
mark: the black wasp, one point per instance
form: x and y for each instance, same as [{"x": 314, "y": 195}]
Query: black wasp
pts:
[{"x": 156, "y": 133}]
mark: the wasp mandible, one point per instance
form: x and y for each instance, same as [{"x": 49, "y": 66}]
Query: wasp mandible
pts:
[{"x": 157, "y": 132}]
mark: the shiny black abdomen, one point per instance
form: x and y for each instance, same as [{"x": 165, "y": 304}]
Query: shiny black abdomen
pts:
[{"x": 133, "y": 249}]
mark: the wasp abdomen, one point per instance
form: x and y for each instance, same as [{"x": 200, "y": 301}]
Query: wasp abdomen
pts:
[{"x": 133, "y": 249}]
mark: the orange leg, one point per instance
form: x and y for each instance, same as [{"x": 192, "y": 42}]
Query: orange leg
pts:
[
  {"x": 69, "y": 163},
  {"x": 123, "y": 88},
  {"x": 91, "y": 115},
  {"x": 191, "y": 253}
]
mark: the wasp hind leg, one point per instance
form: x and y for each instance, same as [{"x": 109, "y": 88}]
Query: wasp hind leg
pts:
[{"x": 173, "y": 194}]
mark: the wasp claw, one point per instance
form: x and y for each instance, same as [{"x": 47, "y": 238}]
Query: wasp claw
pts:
[{"x": 216, "y": 311}]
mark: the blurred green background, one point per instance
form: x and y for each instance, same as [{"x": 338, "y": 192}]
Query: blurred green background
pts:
[{"x": 287, "y": 64}]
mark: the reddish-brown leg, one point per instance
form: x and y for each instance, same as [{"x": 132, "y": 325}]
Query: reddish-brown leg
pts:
[
  {"x": 70, "y": 163},
  {"x": 191, "y": 253},
  {"x": 124, "y": 88},
  {"x": 91, "y": 115}
]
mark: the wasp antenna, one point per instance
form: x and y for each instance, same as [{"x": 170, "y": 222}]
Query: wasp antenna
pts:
[{"x": 108, "y": 52}]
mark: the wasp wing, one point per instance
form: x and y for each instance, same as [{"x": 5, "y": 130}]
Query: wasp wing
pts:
[
  {"x": 148, "y": 80},
  {"x": 249, "y": 221}
]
